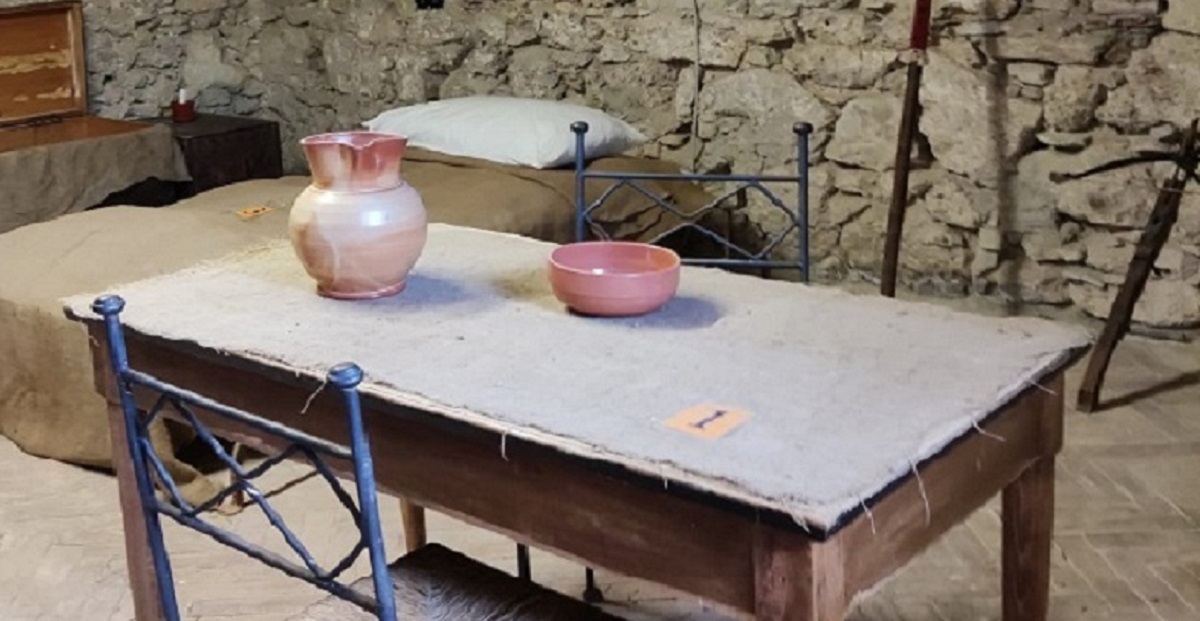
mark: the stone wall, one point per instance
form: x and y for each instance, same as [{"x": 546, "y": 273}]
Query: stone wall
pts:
[
  {"x": 1014, "y": 90},
  {"x": 136, "y": 51}
]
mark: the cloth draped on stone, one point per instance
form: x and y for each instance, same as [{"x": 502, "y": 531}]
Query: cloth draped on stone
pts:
[
  {"x": 844, "y": 393},
  {"x": 48, "y": 405},
  {"x": 44, "y": 182}
]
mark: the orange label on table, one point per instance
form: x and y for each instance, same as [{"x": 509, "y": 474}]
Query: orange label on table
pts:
[
  {"x": 254, "y": 211},
  {"x": 708, "y": 421}
]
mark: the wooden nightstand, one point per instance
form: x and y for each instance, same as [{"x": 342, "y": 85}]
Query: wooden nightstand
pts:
[{"x": 220, "y": 150}]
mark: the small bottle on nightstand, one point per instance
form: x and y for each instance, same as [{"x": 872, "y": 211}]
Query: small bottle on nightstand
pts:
[{"x": 183, "y": 110}]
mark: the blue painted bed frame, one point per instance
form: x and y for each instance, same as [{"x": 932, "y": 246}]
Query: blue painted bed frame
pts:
[
  {"x": 797, "y": 215},
  {"x": 797, "y": 221},
  {"x": 147, "y": 466}
]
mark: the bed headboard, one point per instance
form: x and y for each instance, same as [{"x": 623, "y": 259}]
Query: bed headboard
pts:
[{"x": 736, "y": 188}]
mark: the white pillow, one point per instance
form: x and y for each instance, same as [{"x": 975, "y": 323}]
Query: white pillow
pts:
[{"x": 508, "y": 130}]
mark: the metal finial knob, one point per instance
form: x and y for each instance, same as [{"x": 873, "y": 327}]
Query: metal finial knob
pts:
[
  {"x": 108, "y": 305},
  {"x": 345, "y": 375}
]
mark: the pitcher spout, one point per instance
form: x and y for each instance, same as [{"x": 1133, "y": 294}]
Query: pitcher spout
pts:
[{"x": 355, "y": 161}]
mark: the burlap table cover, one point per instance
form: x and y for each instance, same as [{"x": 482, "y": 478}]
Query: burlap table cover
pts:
[{"x": 844, "y": 394}]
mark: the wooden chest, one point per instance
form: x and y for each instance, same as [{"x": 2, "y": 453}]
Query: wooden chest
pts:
[{"x": 43, "y": 78}]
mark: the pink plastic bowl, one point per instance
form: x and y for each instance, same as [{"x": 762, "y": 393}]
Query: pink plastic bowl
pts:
[{"x": 613, "y": 279}]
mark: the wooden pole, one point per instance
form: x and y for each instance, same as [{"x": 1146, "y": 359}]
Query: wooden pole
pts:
[
  {"x": 918, "y": 45},
  {"x": 1154, "y": 236}
]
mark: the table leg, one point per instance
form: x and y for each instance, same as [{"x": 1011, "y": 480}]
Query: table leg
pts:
[
  {"x": 796, "y": 579},
  {"x": 413, "y": 517},
  {"x": 147, "y": 604},
  {"x": 1028, "y": 515}
]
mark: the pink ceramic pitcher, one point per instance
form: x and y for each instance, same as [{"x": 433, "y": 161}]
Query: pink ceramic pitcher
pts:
[{"x": 358, "y": 228}]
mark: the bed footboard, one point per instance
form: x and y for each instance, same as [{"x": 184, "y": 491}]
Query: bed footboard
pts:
[{"x": 733, "y": 197}]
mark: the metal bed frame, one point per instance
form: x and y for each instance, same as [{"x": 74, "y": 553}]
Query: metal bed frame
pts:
[
  {"x": 735, "y": 254},
  {"x": 148, "y": 467}
]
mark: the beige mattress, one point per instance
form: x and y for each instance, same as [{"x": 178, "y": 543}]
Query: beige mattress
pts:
[
  {"x": 47, "y": 403},
  {"x": 51, "y": 180}
]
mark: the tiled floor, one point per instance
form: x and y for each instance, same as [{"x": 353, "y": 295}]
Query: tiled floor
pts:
[{"x": 1127, "y": 536}]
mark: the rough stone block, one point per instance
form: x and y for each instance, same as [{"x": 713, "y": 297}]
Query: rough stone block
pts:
[
  {"x": 865, "y": 133},
  {"x": 1182, "y": 16}
]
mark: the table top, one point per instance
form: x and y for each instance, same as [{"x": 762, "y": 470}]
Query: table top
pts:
[
  {"x": 211, "y": 125},
  {"x": 793, "y": 398}
]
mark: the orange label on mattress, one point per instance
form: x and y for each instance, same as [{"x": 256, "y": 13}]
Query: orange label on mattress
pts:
[
  {"x": 254, "y": 211},
  {"x": 708, "y": 421}
]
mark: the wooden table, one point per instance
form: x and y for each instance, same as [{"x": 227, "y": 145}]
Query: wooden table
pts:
[{"x": 669, "y": 528}]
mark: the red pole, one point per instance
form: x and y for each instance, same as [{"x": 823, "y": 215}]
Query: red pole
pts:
[
  {"x": 920, "y": 25},
  {"x": 918, "y": 44}
]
